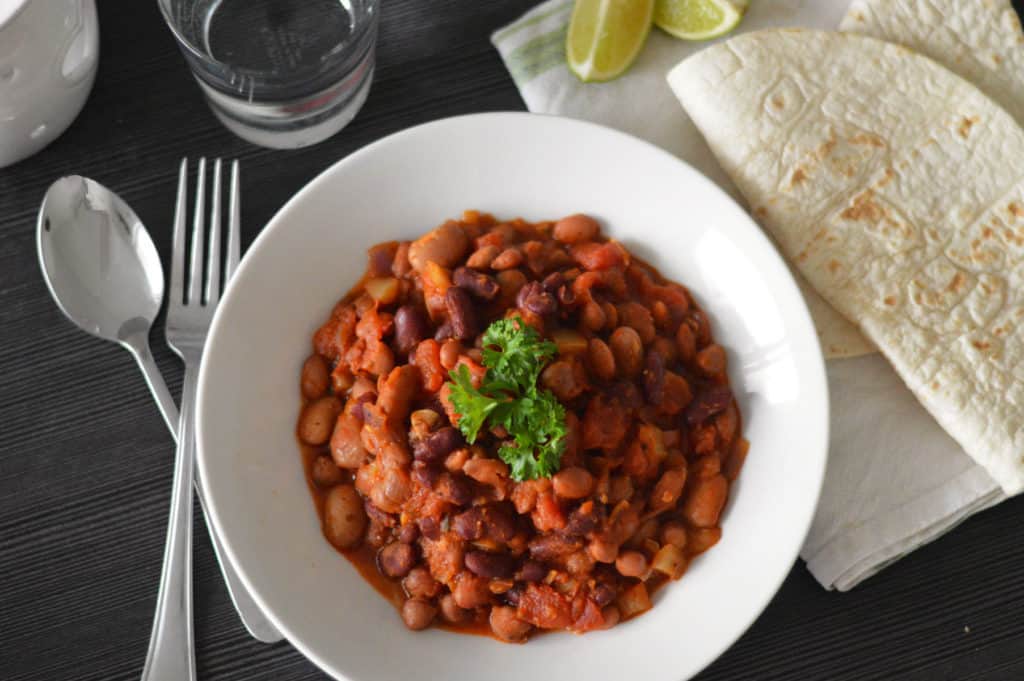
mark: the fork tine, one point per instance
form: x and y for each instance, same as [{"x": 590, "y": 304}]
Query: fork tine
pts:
[
  {"x": 195, "y": 279},
  {"x": 213, "y": 255},
  {"x": 178, "y": 243},
  {"x": 234, "y": 225}
]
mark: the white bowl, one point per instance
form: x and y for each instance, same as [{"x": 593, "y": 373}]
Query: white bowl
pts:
[{"x": 536, "y": 167}]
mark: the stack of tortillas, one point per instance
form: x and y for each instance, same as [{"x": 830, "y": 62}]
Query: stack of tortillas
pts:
[{"x": 896, "y": 188}]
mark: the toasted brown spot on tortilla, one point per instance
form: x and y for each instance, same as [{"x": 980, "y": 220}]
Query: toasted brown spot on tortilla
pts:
[
  {"x": 957, "y": 283},
  {"x": 887, "y": 176},
  {"x": 778, "y": 102},
  {"x": 889, "y": 300},
  {"x": 864, "y": 208},
  {"x": 1016, "y": 209},
  {"x": 825, "y": 150},
  {"x": 966, "y": 124},
  {"x": 986, "y": 233},
  {"x": 935, "y": 385},
  {"x": 868, "y": 139},
  {"x": 760, "y": 212},
  {"x": 999, "y": 331},
  {"x": 834, "y": 266},
  {"x": 997, "y": 59},
  {"x": 981, "y": 345},
  {"x": 987, "y": 289},
  {"x": 798, "y": 176},
  {"x": 859, "y": 16}
]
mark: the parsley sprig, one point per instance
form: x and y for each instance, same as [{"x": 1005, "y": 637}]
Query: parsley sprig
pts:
[{"x": 514, "y": 355}]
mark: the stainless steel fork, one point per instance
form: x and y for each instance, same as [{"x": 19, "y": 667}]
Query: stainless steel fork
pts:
[{"x": 194, "y": 293}]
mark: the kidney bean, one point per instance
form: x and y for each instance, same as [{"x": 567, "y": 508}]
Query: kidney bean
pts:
[
  {"x": 418, "y": 613},
  {"x": 411, "y": 327},
  {"x": 631, "y": 564},
  {"x": 709, "y": 402},
  {"x": 507, "y": 259},
  {"x": 711, "y": 360},
  {"x": 451, "y": 612},
  {"x": 534, "y": 298},
  {"x": 439, "y": 444},
  {"x": 470, "y": 524},
  {"x": 481, "y": 285},
  {"x": 584, "y": 520},
  {"x": 444, "y": 332},
  {"x": 455, "y": 489},
  {"x": 603, "y": 594},
  {"x": 553, "y": 282},
  {"x": 628, "y": 350},
  {"x": 654, "y": 377},
  {"x": 315, "y": 377},
  {"x": 408, "y": 533},
  {"x": 532, "y": 571},
  {"x": 316, "y": 423},
  {"x": 396, "y": 559},
  {"x": 674, "y": 532},
  {"x": 490, "y": 565},
  {"x": 444, "y": 246},
  {"x": 483, "y": 257},
  {"x": 576, "y": 228},
  {"x": 344, "y": 517},
  {"x": 705, "y": 500},
  {"x": 507, "y": 626},
  {"x": 573, "y": 483},
  {"x": 325, "y": 473},
  {"x": 419, "y": 583},
  {"x": 429, "y": 527},
  {"x": 461, "y": 314},
  {"x": 471, "y": 591}
]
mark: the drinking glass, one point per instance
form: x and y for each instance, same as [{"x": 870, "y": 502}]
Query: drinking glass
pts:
[{"x": 279, "y": 73}]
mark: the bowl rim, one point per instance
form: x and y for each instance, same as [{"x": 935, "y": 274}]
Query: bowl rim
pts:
[{"x": 802, "y": 322}]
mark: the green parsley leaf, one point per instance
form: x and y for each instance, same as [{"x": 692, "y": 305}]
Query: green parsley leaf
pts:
[{"x": 514, "y": 355}]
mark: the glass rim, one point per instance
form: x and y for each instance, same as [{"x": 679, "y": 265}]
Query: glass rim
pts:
[{"x": 245, "y": 71}]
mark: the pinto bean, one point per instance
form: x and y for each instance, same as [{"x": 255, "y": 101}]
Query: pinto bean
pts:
[
  {"x": 490, "y": 565},
  {"x": 455, "y": 489},
  {"x": 315, "y": 377},
  {"x": 593, "y": 316},
  {"x": 638, "y": 317},
  {"x": 668, "y": 489},
  {"x": 344, "y": 517},
  {"x": 451, "y": 612},
  {"x": 573, "y": 483},
  {"x": 631, "y": 564},
  {"x": 507, "y": 626},
  {"x": 628, "y": 350},
  {"x": 316, "y": 423},
  {"x": 600, "y": 359},
  {"x": 674, "y": 533},
  {"x": 686, "y": 343},
  {"x": 654, "y": 377},
  {"x": 471, "y": 591},
  {"x": 490, "y": 472},
  {"x": 483, "y": 257},
  {"x": 483, "y": 286},
  {"x": 711, "y": 360},
  {"x": 705, "y": 500},
  {"x": 561, "y": 378},
  {"x": 507, "y": 259},
  {"x": 418, "y": 613},
  {"x": 420, "y": 583},
  {"x": 603, "y": 594},
  {"x": 461, "y": 314},
  {"x": 398, "y": 390},
  {"x": 347, "y": 448},
  {"x": 444, "y": 246},
  {"x": 576, "y": 228},
  {"x": 511, "y": 282},
  {"x": 396, "y": 559},
  {"x": 325, "y": 473}
]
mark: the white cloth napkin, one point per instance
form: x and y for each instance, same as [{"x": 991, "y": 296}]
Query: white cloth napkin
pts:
[{"x": 895, "y": 479}]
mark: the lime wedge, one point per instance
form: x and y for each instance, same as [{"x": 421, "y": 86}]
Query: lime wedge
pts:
[
  {"x": 605, "y": 36},
  {"x": 698, "y": 19}
]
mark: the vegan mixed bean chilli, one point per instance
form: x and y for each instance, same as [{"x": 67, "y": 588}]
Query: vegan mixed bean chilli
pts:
[{"x": 514, "y": 426}]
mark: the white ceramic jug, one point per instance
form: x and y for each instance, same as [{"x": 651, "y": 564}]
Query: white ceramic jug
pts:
[{"x": 48, "y": 55}]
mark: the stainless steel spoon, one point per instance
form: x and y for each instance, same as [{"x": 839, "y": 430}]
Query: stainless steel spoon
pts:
[{"x": 104, "y": 273}]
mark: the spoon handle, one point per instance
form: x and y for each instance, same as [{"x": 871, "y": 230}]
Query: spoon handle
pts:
[
  {"x": 258, "y": 626},
  {"x": 171, "y": 655}
]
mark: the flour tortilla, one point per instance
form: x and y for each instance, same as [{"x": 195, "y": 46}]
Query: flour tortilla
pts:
[
  {"x": 979, "y": 40},
  {"x": 897, "y": 189}
]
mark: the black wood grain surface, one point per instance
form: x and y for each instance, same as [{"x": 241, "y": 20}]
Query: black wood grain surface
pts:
[{"x": 85, "y": 460}]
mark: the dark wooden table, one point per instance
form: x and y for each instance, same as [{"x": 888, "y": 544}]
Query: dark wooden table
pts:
[{"x": 85, "y": 460}]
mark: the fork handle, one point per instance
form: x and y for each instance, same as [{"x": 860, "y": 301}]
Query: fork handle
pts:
[
  {"x": 171, "y": 655},
  {"x": 255, "y": 622}
]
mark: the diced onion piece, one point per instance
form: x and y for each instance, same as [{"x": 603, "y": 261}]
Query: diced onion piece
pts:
[
  {"x": 382, "y": 289},
  {"x": 569, "y": 341},
  {"x": 669, "y": 561},
  {"x": 634, "y": 600},
  {"x": 436, "y": 282}
]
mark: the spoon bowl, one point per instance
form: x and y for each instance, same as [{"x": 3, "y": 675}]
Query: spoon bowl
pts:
[{"x": 98, "y": 261}]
